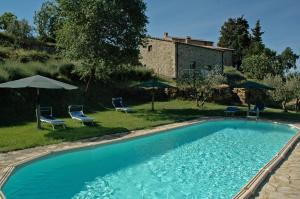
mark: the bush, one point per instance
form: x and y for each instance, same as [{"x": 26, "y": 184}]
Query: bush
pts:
[
  {"x": 4, "y": 76},
  {"x": 134, "y": 73},
  {"x": 233, "y": 75},
  {"x": 4, "y": 53},
  {"x": 67, "y": 70},
  {"x": 17, "y": 70},
  {"x": 14, "y": 71},
  {"x": 257, "y": 66},
  {"x": 6, "y": 40},
  {"x": 25, "y": 56}
]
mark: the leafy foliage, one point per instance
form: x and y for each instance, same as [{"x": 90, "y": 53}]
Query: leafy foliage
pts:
[
  {"x": 235, "y": 34},
  {"x": 202, "y": 84},
  {"x": 256, "y": 66},
  {"x": 20, "y": 29},
  {"x": 293, "y": 83},
  {"x": 102, "y": 34},
  {"x": 288, "y": 59},
  {"x": 47, "y": 21},
  {"x": 10, "y": 24},
  {"x": 282, "y": 93},
  {"x": 257, "y": 33},
  {"x": 6, "y": 19}
]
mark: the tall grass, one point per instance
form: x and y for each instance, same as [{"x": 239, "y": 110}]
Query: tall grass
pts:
[{"x": 11, "y": 70}]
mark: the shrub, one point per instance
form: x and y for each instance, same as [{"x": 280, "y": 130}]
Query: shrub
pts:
[
  {"x": 68, "y": 70},
  {"x": 4, "y": 52},
  {"x": 257, "y": 66},
  {"x": 14, "y": 71},
  {"x": 25, "y": 56},
  {"x": 233, "y": 75},
  {"x": 282, "y": 93},
  {"x": 4, "y": 76},
  {"x": 134, "y": 73}
]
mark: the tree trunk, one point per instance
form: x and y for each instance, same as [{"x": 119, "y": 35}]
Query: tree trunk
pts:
[
  {"x": 283, "y": 104},
  {"x": 152, "y": 100},
  {"x": 90, "y": 80},
  {"x": 297, "y": 105}
]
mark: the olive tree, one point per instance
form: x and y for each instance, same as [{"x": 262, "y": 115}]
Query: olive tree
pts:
[
  {"x": 282, "y": 92},
  {"x": 201, "y": 84},
  {"x": 293, "y": 83}
]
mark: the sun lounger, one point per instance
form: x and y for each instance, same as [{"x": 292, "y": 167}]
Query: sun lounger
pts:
[
  {"x": 119, "y": 106},
  {"x": 47, "y": 117},
  {"x": 76, "y": 113},
  {"x": 231, "y": 110}
]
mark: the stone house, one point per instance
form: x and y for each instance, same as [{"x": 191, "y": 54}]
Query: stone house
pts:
[{"x": 173, "y": 56}]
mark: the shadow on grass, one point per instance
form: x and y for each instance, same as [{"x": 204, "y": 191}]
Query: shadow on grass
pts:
[
  {"x": 282, "y": 116},
  {"x": 84, "y": 132},
  {"x": 178, "y": 114},
  {"x": 192, "y": 113}
]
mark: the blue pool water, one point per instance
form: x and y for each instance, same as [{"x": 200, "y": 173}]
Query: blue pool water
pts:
[{"x": 208, "y": 160}]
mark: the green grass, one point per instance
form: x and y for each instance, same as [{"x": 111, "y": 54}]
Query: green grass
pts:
[{"x": 110, "y": 121}]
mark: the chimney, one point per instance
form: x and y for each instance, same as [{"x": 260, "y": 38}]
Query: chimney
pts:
[
  {"x": 187, "y": 39},
  {"x": 166, "y": 35}
]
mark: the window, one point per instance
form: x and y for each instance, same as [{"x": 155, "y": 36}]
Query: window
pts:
[
  {"x": 193, "y": 65},
  {"x": 149, "y": 48}
]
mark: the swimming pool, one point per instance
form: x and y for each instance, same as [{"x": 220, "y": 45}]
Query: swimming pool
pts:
[{"x": 206, "y": 160}]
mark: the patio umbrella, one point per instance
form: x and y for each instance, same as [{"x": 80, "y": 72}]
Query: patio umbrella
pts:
[
  {"x": 38, "y": 82},
  {"x": 250, "y": 85},
  {"x": 153, "y": 85}
]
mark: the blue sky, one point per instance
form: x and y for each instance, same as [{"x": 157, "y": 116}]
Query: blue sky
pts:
[{"x": 203, "y": 18}]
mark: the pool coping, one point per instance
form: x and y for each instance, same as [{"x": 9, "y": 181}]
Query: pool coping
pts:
[{"x": 246, "y": 192}]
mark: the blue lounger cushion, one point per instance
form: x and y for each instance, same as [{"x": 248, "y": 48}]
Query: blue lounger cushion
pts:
[{"x": 79, "y": 115}]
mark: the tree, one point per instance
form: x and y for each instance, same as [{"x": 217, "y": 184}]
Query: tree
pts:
[
  {"x": 257, "y": 66},
  {"x": 282, "y": 92},
  {"x": 101, "y": 34},
  {"x": 261, "y": 61},
  {"x": 293, "y": 83},
  {"x": 255, "y": 48},
  {"x": 20, "y": 29},
  {"x": 202, "y": 84},
  {"x": 46, "y": 21},
  {"x": 235, "y": 34},
  {"x": 257, "y": 33},
  {"x": 6, "y": 19},
  {"x": 288, "y": 59}
]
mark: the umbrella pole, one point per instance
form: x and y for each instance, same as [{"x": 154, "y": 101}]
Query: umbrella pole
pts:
[
  {"x": 38, "y": 110},
  {"x": 152, "y": 108}
]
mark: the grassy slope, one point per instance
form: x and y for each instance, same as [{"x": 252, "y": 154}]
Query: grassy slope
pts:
[{"x": 110, "y": 121}]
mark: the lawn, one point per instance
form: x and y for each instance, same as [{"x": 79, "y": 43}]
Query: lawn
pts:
[{"x": 110, "y": 121}]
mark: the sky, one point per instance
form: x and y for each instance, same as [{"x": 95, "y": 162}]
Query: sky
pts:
[{"x": 203, "y": 18}]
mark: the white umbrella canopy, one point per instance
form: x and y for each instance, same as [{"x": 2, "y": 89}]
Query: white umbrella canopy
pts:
[{"x": 38, "y": 82}]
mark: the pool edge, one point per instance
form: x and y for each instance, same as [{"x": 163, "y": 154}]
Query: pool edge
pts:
[
  {"x": 252, "y": 186},
  {"x": 2, "y": 195},
  {"x": 246, "y": 192}
]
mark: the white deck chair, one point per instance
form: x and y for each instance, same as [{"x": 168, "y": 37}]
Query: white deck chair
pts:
[
  {"x": 47, "y": 117},
  {"x": 119, "y": 106},
  {"x": 76, "y": 113}
]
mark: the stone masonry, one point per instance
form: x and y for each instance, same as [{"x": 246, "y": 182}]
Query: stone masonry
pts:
[{"x": 172, "y": 56}]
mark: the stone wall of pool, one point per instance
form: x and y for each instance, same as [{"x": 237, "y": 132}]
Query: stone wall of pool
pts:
[{"x": 11, "y": 160}]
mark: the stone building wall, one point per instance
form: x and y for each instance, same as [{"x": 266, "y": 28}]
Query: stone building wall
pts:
[
  {"x": 227, "y": 57},
  {"x": 159, "y": 55},
  {"x": 172, "y": 59},
  {"x": 205, "y": 58}
]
